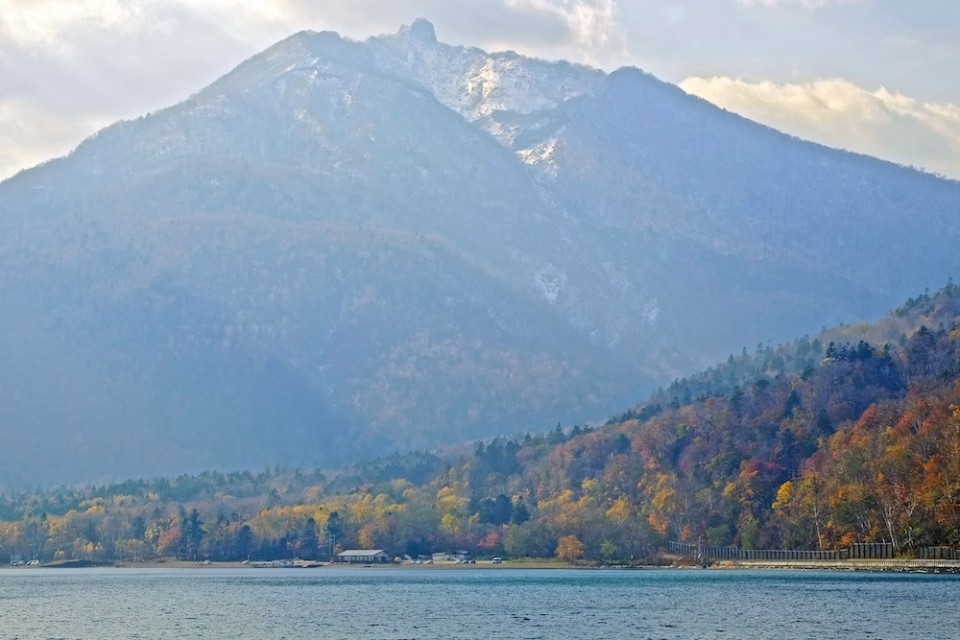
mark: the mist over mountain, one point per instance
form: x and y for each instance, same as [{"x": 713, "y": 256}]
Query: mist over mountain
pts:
[{"x": 345, "y": 248}]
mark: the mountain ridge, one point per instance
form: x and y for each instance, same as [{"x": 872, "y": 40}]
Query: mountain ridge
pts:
[{"x": 320, "y": 234}]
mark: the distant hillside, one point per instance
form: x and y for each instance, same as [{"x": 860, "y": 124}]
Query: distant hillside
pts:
[
  {"x": 863, "y": 445},
  {"x": 342, "y": 249}
]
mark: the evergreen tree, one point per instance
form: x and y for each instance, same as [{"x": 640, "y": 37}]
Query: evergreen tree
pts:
[
  {"x": 520, "y": 512},
  {"x": 334, "y": 532},
  {"x": 308, "y": 542},
  {"x": 244, "y": 542},
  {"x": 191, "y": 535}
]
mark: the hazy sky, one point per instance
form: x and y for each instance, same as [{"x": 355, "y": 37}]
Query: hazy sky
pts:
[{"x": 877, "y": 76}]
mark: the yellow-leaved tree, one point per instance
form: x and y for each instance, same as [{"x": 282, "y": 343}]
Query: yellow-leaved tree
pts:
[{"x": 570, "y": 549}]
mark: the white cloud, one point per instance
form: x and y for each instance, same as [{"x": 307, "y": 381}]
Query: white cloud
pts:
[
  {"x": 593, "y": 25},
  {"x": 49, "y": 23},
  {"x": 40, "y": 22},
  {"x": 838, "y": 113}
]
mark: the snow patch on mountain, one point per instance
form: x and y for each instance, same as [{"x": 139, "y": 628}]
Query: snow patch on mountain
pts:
[
  {"x": 551, "y": 282},
  {"x": 480, "y": 85},
  {"x": 651, "y": 311},
  {"x": 542, "y": 155}
]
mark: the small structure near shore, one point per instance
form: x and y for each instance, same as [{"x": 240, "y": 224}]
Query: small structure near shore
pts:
[{"x": 363, "y": 556}]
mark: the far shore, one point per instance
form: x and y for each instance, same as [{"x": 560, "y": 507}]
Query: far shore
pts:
[
  {"x": 888, "y": 565},
  {"x": 171, "y": 563}
]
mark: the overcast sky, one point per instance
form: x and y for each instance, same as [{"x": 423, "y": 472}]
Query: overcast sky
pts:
[{"x": 876, "y": 76}]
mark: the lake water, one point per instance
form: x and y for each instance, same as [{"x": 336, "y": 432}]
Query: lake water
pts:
[{"x": 394, "y": 604}]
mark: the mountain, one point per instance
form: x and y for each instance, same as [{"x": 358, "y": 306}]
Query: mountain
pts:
[{"x": 341, "y": 249}]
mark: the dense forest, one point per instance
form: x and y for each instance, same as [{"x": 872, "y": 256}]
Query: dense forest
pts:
[{"x": 851, "y": 436}]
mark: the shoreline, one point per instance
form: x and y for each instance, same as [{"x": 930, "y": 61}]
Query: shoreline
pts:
[{"x": 874, "y": 566}]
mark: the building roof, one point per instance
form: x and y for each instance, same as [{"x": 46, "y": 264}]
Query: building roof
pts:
[{"x": 351, "y": 553}]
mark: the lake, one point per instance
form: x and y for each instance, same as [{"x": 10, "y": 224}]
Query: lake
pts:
[{"x": 394, "y": 604}]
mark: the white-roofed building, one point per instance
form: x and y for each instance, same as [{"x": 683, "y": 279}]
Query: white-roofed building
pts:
[{"x": 363, "y": 556}]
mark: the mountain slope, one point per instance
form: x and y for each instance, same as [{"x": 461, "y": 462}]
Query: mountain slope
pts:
[
  {"x": 343, "y": 248},
  {"x": 815, "y": 445}
]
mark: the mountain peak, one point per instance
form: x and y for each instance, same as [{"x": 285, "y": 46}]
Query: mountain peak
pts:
[
  {"x": 449, "y": 244},
  {"x": 421, "y": 29}
]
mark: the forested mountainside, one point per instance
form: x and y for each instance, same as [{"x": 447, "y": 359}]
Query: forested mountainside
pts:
[
  {"x": 343, "y": 248},
  {"x": 813, "y": 445}
]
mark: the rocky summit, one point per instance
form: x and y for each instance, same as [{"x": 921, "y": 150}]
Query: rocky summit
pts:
[{"x": 341, "y": 249}]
